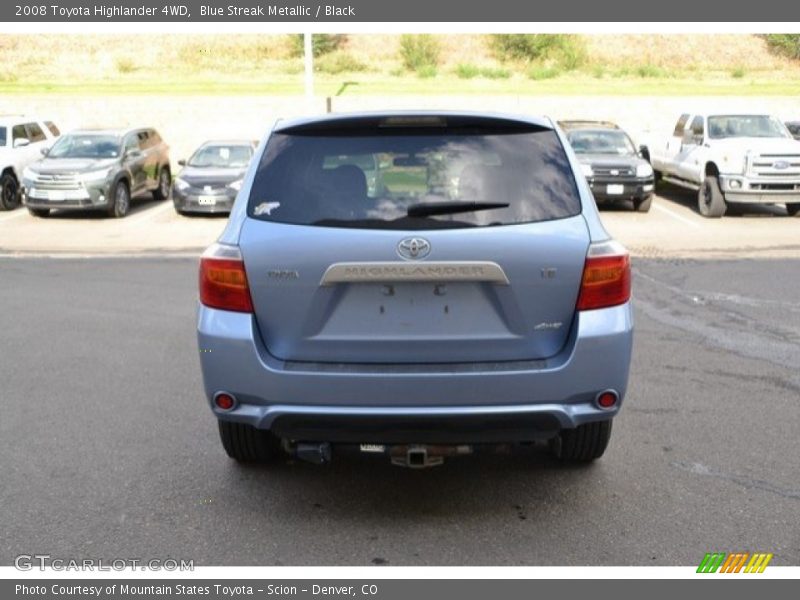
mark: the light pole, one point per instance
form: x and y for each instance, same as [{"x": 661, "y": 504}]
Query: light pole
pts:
[{"x": 308, "y": 57}]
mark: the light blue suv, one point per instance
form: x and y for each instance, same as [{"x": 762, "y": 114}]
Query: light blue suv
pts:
[{"x": 468, "y": 297}]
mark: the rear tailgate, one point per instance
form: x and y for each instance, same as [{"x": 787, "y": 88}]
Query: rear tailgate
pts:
[
  {"x": 487, "y": 294},
  {"x": 402, "y": 239}
]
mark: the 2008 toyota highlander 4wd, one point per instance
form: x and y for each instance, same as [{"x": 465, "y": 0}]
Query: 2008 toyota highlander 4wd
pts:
[{"x": 473, "y": 298}]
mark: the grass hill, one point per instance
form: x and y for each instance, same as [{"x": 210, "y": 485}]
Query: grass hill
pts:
[{"x": 726, "y": 64}]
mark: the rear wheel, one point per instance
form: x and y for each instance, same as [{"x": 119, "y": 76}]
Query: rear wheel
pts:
[
  {"x": 39, "y": 212},
  {"x": 642, "y": 204},
  {"x": 245, "y": 443},
  {"x": 120, "y": 201},
  {"x": 9, "y": 192},
  {"x": 164, "y": 181},
  {"x": 710, "y": 201},
  {"x": 793, "y": 209},
  {"x": 585, "y": 443}
]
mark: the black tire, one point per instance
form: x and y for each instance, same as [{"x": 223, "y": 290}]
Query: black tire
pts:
[
  {"x": 643, "y": 204},
  {"x": 245, "y": 443},
  {"x": 164, "y": 183},
  {"x": 39, "y": 212},
  {"x": 793, "y": 209},
  {"x": 585, "y": 443},
  {"x": 9, "y": 192},
  {"x": 710, "y": 201},
  {"x": 120, "y": 201}
]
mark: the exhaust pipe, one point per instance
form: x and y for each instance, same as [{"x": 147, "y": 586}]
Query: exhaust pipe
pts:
[{"x": 318, "y": 454}]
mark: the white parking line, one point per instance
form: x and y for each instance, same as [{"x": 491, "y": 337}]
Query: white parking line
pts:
[
  {"x": 148, "y": 213},
  {"x": 675, "y": 215},
  {"x": 15, "y": 214}
]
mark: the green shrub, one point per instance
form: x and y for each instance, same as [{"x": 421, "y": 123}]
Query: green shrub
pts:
[
  {"x": 787, "y": 44},
  {"x": 649, "y": 70},
  {"x": 339, "y": 62},
  {"x": 125, "y": 65},
  {"x": 738, "y": 73},
  {"x": 495, "y": 73},
  {"x": 467, "y": 71},
  {"x": 419, "y": 52},
  {"x": 538, "y": 73},
  {"x": 568, "y": 51},
  {"x": 427, "y": 72},
  {"x": 321, "y": 43}
]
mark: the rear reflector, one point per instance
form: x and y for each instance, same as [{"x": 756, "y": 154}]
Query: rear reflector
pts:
[
  {"x": 223, "y": 281},
  {"x": 224, "y": 401},
  {"x": 606, "y": 277},
  {"x": 607, "y": 399}
]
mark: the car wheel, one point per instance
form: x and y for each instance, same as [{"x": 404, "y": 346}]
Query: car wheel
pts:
[
  {"x": 164, "y": 181},
  {"x": 710, "y": 201},
  {"x": 9, "y": 192},
  {"x": 793, "y": 209},
  {"x": 643, "y": 204},
  {"x": 585, "y": 443},
  {"x": 245, "y": 443},
  {"x": 120, "y": 201},
  {"x": 39, "y": 212}
]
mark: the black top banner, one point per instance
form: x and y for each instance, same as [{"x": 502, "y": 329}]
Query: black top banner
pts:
[{"x": 439, "y": 11}]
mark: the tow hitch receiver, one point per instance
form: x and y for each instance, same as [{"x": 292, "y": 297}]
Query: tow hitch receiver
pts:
[{"x": 420, "y": 456}]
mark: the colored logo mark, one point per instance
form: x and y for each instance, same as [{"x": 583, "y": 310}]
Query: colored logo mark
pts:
[{"x": 736, "y": 562}]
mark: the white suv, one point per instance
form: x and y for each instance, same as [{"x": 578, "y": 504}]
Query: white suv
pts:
[{"x": 22, "y": 140}]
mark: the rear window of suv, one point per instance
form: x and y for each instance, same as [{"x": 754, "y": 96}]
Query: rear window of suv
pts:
[{"x": 371, "y": 177}]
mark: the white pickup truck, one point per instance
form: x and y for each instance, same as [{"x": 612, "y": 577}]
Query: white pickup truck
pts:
[
  {"x": 22, "y": 140},
  {"x": 731, "y": 159}
]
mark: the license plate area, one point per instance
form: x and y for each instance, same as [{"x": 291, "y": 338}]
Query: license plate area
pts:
[
  {"x": 414, "y": 310},
  {"x": 57, "y": 195},
  {"x": 615, "y": 189},
  {"x": 207, "y": 200}
]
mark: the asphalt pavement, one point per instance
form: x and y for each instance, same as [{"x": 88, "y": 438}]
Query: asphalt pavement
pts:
[{"x": 109, "y": 449}]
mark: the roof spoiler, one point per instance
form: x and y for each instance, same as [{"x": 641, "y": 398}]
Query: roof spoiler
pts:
[{"x": 410, "y": 121}]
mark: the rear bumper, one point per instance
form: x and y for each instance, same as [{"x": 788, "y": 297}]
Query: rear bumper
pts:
[{"x": 381, "y": 402}]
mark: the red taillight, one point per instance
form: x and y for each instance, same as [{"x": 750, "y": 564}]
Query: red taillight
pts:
[
  {"x": 606, "y": 277},
  {"x": 223, "y": 281}
]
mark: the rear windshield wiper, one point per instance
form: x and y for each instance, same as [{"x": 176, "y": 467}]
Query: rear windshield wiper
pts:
[{"x": 426, "y": 209}]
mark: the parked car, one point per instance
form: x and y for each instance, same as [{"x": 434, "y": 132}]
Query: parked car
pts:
[
  {"x": 794, "y": 128},
  {"x": 21, "y": 141},
  {"x": 98, "y": 169},
  {"x": 615, "y": 168},
  {"x": 211, "y": 178},
  {"x": 730, "y": 159},
  {"x": 474, "y": 299}
]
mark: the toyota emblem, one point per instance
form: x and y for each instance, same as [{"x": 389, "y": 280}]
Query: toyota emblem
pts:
[{"x": 414, "y": 248}]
